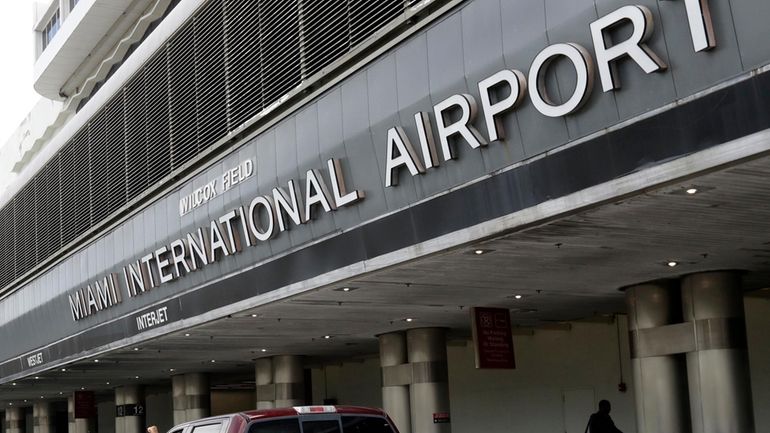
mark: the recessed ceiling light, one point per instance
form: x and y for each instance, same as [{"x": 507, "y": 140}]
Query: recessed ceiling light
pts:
[
  {"x": 171, "y": 369},
  {"x": 108, "y": 383},
  {"x": 479, "y": 251},
  {"x": 60, "y": 393},
  {"x": 25, "y": 400},
  {"x": 186, "y": 334},
  {"x": 135, "y": 349},
  {"x": 82, "y": 388},
  {"x": 326, "y": 337},
  {"x": 41, "y": 396},
  {"x": 518, "y": 296},
  {"x": 408, "y": 319},
  {"x": 345, "y": 289},
  {"x": 136, "y": 377},
  {"x": 213, "y": 360},
  {"x": 37, "y": 377},
  {"x": 691, "y": 191},
  {"x": 672, "y": 264},
  {"x": 264, "y": 350},
  {"x": 96, "y": 360},
  {"x": 10, "y": 404},
  {"x": 253, "y": 315},
  {"x": 63, "y": 369},
  {"x": 13, "y": 384}
]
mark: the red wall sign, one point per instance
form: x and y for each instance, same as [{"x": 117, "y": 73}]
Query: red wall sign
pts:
[
  {"x": 492, "y": 337},
  {"x": 85, "y": 404},
  {"x": 441, "y": 418}
]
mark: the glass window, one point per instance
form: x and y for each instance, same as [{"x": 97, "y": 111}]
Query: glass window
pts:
[
  {"x": 326, "y": 426},
  {"x": 289, "y": 425},
  {"x": 73, "y": 3},
  {"x": 207, "y": 428},
  {"x": 51, "y": 28},
  {"x": 365, "y": 424}
]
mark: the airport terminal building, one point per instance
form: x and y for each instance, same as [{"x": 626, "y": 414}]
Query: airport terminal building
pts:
[{"x": 479, "y": 215}]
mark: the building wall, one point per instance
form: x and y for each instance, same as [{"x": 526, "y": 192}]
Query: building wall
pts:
[
  {"x": 105, "y": 412},
  {"x": 350, "y": 383},
  {"x": 757, "y": 327},
  {"x": 229, "y": 401},
  {"x": 159, "y": 406},
  {"x": 350, "y": 121},
  {"x": 582, "y": 361}
]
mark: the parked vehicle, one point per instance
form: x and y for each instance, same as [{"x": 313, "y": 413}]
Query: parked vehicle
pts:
[{"x": 302, "y": 419}]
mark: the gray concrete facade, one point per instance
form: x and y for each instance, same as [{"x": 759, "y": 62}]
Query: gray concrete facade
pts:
[
  {"x": 643, "y": 125},
  {"x": 350, "y": 120}
]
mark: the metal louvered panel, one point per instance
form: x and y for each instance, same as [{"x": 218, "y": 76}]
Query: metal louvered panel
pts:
[
  {"x": 115, "y": 133},
  {"x": 136, "y": 137},
  {"x": 7, "y": 245},
  {"x": 156, "y": 118},
  {"x": 367, "y": 16},
  {"x": 25, "y": 228},
  {"x": 75, "y": 191},
  {"x": 326, "y": 33},
  {"x": 181, "y": 94},
  {"x": 100, "y": 174},
  {"x": 279, "y": 48},
  {"x": 244, "y": 73},
  {"x": 210, "y": 86},
  {"x": 231, "y": 60},
  {"x": 48, "y": 210}
]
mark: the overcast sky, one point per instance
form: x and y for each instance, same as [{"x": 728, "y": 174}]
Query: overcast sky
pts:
[{"x": 16, "y": 54}]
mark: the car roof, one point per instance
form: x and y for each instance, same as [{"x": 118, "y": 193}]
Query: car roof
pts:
[
  {"x": 284, "y": 412},
  {"x": 290, "y": 411}
]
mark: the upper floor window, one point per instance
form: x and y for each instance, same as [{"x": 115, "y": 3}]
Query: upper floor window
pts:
[
  {"x": 73, "y": 3},
  {"x": 52, "y": 27}
]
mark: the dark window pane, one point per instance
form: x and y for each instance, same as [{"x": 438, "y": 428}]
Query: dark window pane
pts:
[
  {"x": 328, "y": 426},
  {"x": 208, "y": 428},
  {"x": 365, "y": 424},
  {"x": 290, "y": 425}
]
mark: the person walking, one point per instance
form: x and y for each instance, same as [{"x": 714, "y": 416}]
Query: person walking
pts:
[{"x": 601, "y": 422}]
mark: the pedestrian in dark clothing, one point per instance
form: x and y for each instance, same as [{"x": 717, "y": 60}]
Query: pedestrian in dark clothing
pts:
[{"x": 600, "y": 422}]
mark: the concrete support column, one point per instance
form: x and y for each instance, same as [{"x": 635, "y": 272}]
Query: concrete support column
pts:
[
  {"x": 191, "y": 397},
  {"x": 41, "y": 413},
  {"x": 120, "y": 401},
  {"x": 129, "y": 397},
  {"x": 263, "y": 371},
  {"x": 198, "y": 395},
  {"x": 395, "y": 390},
  {"x": 14, "y": 420},
  {"x": 429, "y": 392},
  {"x": 289, "y": 377},
  {"x": 280, "y": 381},
  {"x": 76, "y": 425},
  {"x": 179, "y": 401},
  {"x": 718, "y": 370},
  {"x": 660, "y": 386}
]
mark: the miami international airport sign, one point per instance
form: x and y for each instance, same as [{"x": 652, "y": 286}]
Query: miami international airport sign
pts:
[
  {"x": 269, "y": 215},
  {"x": 247, "y": 226}
]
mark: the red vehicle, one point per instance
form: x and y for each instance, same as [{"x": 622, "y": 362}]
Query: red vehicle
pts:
[{"x": 302, "y": 419}]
